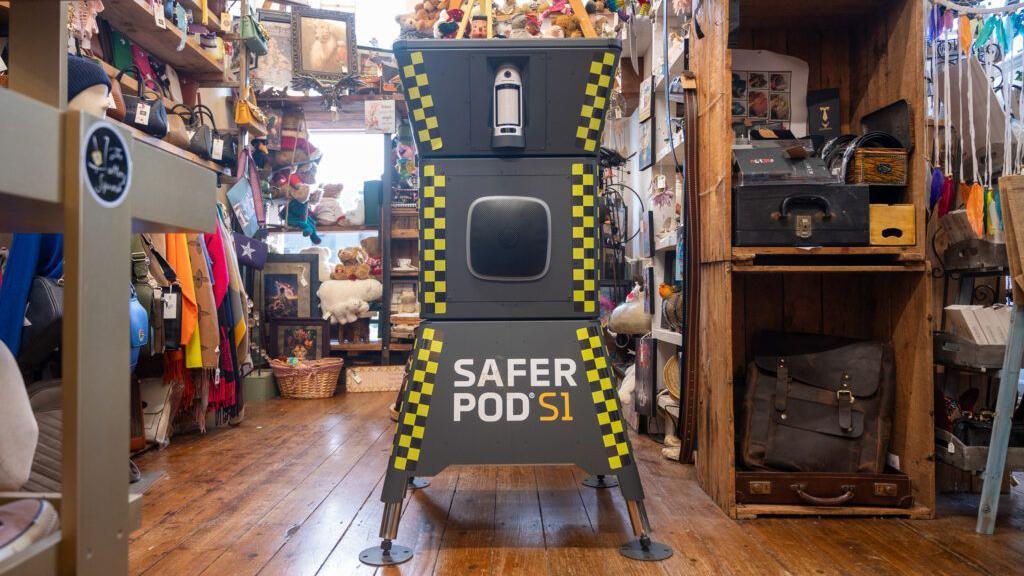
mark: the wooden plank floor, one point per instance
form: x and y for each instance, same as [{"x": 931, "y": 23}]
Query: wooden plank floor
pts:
[{"x": 295, "y": 490}]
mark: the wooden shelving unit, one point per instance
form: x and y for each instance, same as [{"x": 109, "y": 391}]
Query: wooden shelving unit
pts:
[
  {"x": 135, "y": 19},
  {"x": 42, "y": 190},
  {"x": 872, "y": 52}
]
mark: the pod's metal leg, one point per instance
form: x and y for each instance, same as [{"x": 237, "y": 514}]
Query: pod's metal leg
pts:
[
  {"x": 642, "y": 547},
  {"x": 600, "y": 481},
  {"x": 388, "y": 553}
]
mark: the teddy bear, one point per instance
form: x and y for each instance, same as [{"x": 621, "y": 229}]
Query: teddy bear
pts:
[
  {"x": 353, "y": 265},
  {"x": 406, "y": 22},
  {"x": 344, "y": 301},
  {"x": 569, "y": 24},
  {"x": 427, "y": 14}
]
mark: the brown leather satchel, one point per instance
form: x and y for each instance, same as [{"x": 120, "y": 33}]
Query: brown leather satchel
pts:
[{"x": 817, "y": 403}]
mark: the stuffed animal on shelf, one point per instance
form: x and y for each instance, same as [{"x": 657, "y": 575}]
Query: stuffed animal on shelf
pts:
[
  {"x": 570, "y": 25},
  {"x": 298, "y": 216},
  {"x": 353, "y": 265},
  {"x": 323, "y": 254},
  {"x": 344, "y": 301},
  {"x": 558, "y": 6},
  {"x": 427, "y": 14},
  {"x": 297, "y": 213},
  {"x": 447, "y": 25},
  {"x": 478, "y": 27}
]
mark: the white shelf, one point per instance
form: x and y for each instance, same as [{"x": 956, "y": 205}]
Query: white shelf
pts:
[
  {"x": 666, "y": 242},
  {"x": 665, "y": 157},
  {"x": 667, "y": 336}
]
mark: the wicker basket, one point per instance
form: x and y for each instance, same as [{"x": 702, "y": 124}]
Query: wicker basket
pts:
[
  {"x": 309, "y": 379},
  {"x": 374, "y": 378}
]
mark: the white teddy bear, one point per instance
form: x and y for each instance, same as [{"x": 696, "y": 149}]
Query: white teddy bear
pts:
[{"x": 343, "y": 301}]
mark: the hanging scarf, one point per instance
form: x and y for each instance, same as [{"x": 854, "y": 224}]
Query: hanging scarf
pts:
[
  {"x": 176, "y": 254},
  {"x": 209, "y": 339},
  {"x": 218, "y": 266},
  {"x": 30, "y": 255},
  {"x": 237, "y": 296}
]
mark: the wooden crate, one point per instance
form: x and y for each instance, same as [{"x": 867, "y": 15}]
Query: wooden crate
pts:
[
  {"x": 886, "y": 306},
  {"x": 892, "y": 225},
  {"x": 871, "y": 51}
]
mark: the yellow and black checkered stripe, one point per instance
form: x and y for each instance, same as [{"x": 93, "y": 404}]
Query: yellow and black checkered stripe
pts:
[
  {"x": 599, "y": 89},
  {"x": 606, "y": 401},
  {"x": 421, "y": 103},
  {"x": 413, "y": 423},
  {"x": 433, "y": 263},
  {"x": 584, "y": 239}
]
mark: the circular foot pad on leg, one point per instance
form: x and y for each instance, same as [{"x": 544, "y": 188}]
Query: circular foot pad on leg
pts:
[
  {"x": 417, "y": 483},
  {"x": 601, "y": 481},
  {"x": 376, "y": 556},
  {"x": 653, "y": 552}
]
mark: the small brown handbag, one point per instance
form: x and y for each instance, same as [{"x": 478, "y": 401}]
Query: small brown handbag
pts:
[
  {"x": 117, "y": 112},
  {"x": 177, "y": 131}
]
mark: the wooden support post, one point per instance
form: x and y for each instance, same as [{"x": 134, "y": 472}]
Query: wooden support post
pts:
[
  {"x": 488, "y": 6},
  {"x": 467, "y": 9},
  {"x": 581, "y": 13},
  {"x": 38, "y": 47},
  {"x": 95, "y": 520}
]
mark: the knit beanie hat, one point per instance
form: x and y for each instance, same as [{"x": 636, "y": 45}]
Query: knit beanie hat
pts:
[{"x": 83, "y": 73}]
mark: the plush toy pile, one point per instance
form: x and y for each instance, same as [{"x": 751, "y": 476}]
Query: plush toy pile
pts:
[
  {"x": 347, "y": 295},
  {"x": 518, "y": 19}
]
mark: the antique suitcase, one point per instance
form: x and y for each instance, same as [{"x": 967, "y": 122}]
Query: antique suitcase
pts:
[
  {"x": 823, "y": 489},
  {"x": 800, "y": 215},
  {"x": 817, "y": 403}
]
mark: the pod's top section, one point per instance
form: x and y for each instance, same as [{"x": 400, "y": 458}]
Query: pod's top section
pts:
[{"x": 463, "y": 100}]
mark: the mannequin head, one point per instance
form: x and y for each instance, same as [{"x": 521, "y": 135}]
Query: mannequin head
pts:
[
  {"x": 88, "y": 86},
  {"x": 95, "y": 100}
]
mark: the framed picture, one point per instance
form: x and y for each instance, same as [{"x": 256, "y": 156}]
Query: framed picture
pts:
[
  {"x": 302, "y": 338},
  {"x": 645, "y": 99},
  {"x": 275, "y": 69},
  {"x": 324, "y": 44},
  {"x": 645, "y": 158},
  {"x": 289, "y": 284}
]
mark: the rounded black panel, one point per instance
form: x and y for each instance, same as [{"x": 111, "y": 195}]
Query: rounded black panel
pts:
[{"x": 509, "y": 238}]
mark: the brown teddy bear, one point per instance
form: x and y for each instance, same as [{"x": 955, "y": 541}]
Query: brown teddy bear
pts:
[
  {"x": 427, "y": 13},
  {"x": 353, "y": 265},
  {"x": 569, "y": 24}
]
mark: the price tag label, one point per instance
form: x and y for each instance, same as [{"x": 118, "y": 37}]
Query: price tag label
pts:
[
  {"x": 951, "y": 448},
  {"x": 171, "y": 307},
  {"x": 225, "y": 22},
  {"x": 218, "y": 149},
  {"x": 142, "y": 114},
  {"x": 158, "y": 14}
]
